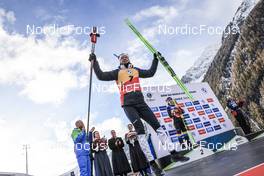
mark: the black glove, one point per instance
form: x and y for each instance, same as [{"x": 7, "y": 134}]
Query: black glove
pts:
[
  {"x": 156, "y": 55},
  {"x": 92, "y": 57}
]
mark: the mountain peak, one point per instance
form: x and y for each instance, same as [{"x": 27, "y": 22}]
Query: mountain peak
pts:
[{"x": 197, "y": 71}]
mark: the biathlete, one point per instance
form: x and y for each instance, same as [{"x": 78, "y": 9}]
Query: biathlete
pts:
[{"x": 132, "y": 101}]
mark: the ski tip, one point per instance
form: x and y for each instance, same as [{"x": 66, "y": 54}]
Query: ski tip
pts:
[
  {"x": 127, "y": 20},
  {"x": 116, "y": 56}
]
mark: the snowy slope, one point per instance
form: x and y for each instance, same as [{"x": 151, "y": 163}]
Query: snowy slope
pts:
[
  {"x": 243, "y": 11},
  {"x": 197, "y": 71}
]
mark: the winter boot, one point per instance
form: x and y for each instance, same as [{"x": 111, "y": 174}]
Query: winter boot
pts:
[
  {"x": 145, "y": 147},
  {"x": 176, "y": 156},
  {"x": 156, "y": 169}
]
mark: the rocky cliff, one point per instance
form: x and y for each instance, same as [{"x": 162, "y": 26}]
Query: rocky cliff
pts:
[{"x": 238, "y": 66}]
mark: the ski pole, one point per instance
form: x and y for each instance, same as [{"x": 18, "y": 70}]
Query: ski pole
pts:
[
  {"x": 161, "y": 59},
  {"x": 93, "y": 37}
]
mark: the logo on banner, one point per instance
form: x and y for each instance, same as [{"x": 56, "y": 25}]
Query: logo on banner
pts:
[
  {"x": 154, "y": 109},
  {"x": 180, "y": 104},
  {"x": 207, "y": 124},
  {"x": 167, "y": 120},
  {"x": 196, "y": 102},
  {"x": 210, "y": 100},
  {"x": 221, "y": 120},
  {"x": 186, "y": 116},
  {"x": 217, "y": 127},
  {"x": 202, "y": 131},
  {"x": 206, "y": 106},
  {"x": 211, "y": 116},
  {"x": 188, "y": 104},
  {"x": 198, "y": 108},
  {"x": 196, "y": 120},
  {"x": 163, "y": 108},
  {"x": 149, "y": 95},
  {"x": 191, "y": 127},
  {"x": 164, "y": 114},
  {"x": 201, "y": 112},
  {"x": 208, "y": 111},
  {"x": 215, "y": 109},
  {"x": 191, "y": 109},
  {"x": 157, "y": 114},
  {"x": 174, "y": 139},
  {"x": 209, "y": 129},
  {"x": 218, "y": 114},
  {"x": 172, "y": 132},
  {"x": 204, "y": 90},
  {"x": 199, "y": 125},
  {"x": 188, "y": 121}
]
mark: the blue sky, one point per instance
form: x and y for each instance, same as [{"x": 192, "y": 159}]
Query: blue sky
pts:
[{"x": 43, "y": 78}]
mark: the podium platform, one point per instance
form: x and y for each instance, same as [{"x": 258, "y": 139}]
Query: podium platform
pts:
[{"x": 226, "y": 163}]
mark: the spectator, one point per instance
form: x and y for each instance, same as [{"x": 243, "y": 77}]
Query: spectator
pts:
[
  {"x": 82, "y": 147},
  {"x": 101, "y": 160},
  {"x": 91, "y": 151},
  {"x": 235, "y": 107},
  {"x": 138, "y": 159},
  {"x": 119, "y": 160}
]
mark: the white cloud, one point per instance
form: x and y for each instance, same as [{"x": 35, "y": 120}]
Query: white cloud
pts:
[
  {"x": 50, "y": 143},
  {"x": 44, "y": 151},
  {"x": 61, "y": 129},
  {"x": 178, "y": 13},
  {"x": 56, "y": 86},
  {"x": 114, "y": 123},
  {"x": 45, "y": 15},
  {"x": 183, "y": 59},
  {"x": 9, "y": 16},
  {"x": 165, "y": 13},
  {"x": 46, "y": 69},
  {"x": 2, "y": 121}
]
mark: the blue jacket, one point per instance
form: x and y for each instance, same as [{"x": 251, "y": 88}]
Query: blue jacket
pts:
[{"x": 81, "y": 142}]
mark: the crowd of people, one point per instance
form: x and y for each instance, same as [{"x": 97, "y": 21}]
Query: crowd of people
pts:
[{"x": 91, "y": 153}]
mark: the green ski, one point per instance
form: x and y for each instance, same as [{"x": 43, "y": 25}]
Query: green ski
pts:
[{"x": 161, "y": 59}]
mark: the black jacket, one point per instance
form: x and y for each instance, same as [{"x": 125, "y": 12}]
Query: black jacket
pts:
[{"x": 129, "y": 98}]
